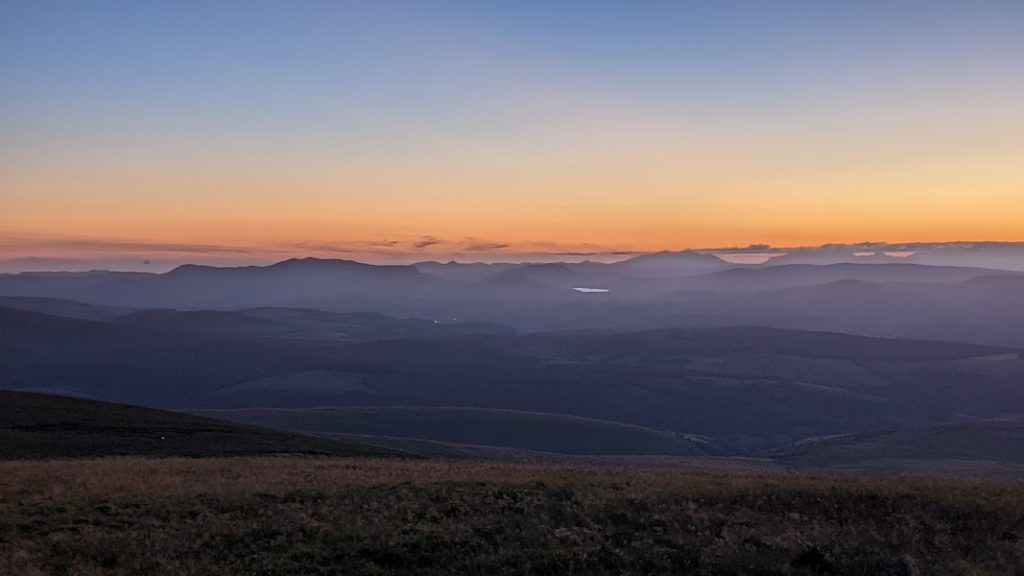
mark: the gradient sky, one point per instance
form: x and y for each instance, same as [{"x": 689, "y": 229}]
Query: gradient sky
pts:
[{"x": 377, "y": 130}]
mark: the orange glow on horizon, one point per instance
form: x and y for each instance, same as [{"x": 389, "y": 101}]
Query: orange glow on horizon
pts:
[{"x": 395, "y": 132}]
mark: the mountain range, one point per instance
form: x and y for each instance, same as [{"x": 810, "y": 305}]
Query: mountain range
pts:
[
  {"x": 667, "y": 289},
  {"x": 677, "y": 355}
]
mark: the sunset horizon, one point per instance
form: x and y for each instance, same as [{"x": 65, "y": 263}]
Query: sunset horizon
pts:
[
  {"x": 515, "y": 288},
  {"x": 32, "y": 254},
  {"x": 391, "y": 127}
]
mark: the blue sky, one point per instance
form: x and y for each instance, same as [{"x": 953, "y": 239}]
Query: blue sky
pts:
[{"x": 621, "y": 125}]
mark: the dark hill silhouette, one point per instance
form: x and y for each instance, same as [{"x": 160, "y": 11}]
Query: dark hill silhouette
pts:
[
  {"x": 505, "y": 428},
  {"x": 40, "y": 426},
  {"x": 63, "y": 307},
  {"x": 954, "y": 445},
  {"x": 667, "y": 263},
  {"x": 26, "y": 330},
  {"x": 463, "y": 271},
  {"x": 192, "y": 286}
]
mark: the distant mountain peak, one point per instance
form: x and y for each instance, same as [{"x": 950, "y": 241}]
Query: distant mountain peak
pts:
[
  {"x": 313, "y": 261},
  {"x": 187, "y": 268},
  {"x": 681, "y": 257}
]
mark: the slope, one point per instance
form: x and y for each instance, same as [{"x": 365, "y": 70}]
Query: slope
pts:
[
  {"x": 506, "y": 428},
  {"x": 40, "y": 426}
]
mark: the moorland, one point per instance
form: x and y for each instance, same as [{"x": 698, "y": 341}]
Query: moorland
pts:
[{"x": 292, "y": 516}]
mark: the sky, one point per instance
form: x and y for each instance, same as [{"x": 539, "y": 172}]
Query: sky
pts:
[{"x": 138, "y": 134}]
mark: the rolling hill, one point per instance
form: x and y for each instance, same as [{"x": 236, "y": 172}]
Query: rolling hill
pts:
[
  {"x": 750, "y": 280},
  {"x": 746, "y": 387},
  {"x": 40, "y": 426},
  {"x": 973, "y": 447},
  {"x": 206, "y": 287},
  {"x": 63, "y": 307},
  {"x": 505, "y": 428}
]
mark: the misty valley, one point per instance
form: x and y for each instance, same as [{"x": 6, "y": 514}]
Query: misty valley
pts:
[{"x": 686, "y": 360}]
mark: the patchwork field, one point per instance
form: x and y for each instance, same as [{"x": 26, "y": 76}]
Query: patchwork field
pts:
[{"x": 289, "y": 516}]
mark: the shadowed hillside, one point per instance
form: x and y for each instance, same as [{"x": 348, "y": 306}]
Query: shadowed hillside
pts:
[
  {"x": 749, "y": 388},
  {"x": 61, "y": 307},
  {"x": 506, "y": 428},
  {"x": 38, "y": 426},
  {"x": 957, "y": 448}
]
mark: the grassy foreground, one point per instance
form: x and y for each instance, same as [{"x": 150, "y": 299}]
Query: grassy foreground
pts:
[{"x": 291, "y": 516}]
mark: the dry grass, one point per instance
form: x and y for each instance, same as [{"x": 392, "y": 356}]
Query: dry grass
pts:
[{"x": 283, "y": 516}]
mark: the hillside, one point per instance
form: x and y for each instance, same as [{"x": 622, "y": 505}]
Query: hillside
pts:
[
  {"x": 966, "y": 446},
  {"x": 207, "y": 287},
  {"x": 504, "y": 428},
  {"x": 774, "y": 277},
  {"x": 62, "y": 307},
  {"x": 38, "y": 426},
  {"x": 749, "y": 388}
]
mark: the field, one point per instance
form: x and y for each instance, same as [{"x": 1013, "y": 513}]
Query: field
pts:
[{"x": 292, "y": 515}]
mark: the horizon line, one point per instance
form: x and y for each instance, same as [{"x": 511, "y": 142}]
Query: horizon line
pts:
[{"x": 136, "y": 262}]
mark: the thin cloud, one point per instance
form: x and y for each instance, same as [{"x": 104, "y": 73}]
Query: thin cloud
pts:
[
  {"x": 485, "y": 247},
  {"x": 428, "y": 241},
  {"x": 311, "y": 246},
  {"x": 595, "y": 253},
  {"x": 33, "y": 252}
]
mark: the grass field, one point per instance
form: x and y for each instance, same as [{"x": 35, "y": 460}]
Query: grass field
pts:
[{"x": 289, "y": 516}]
